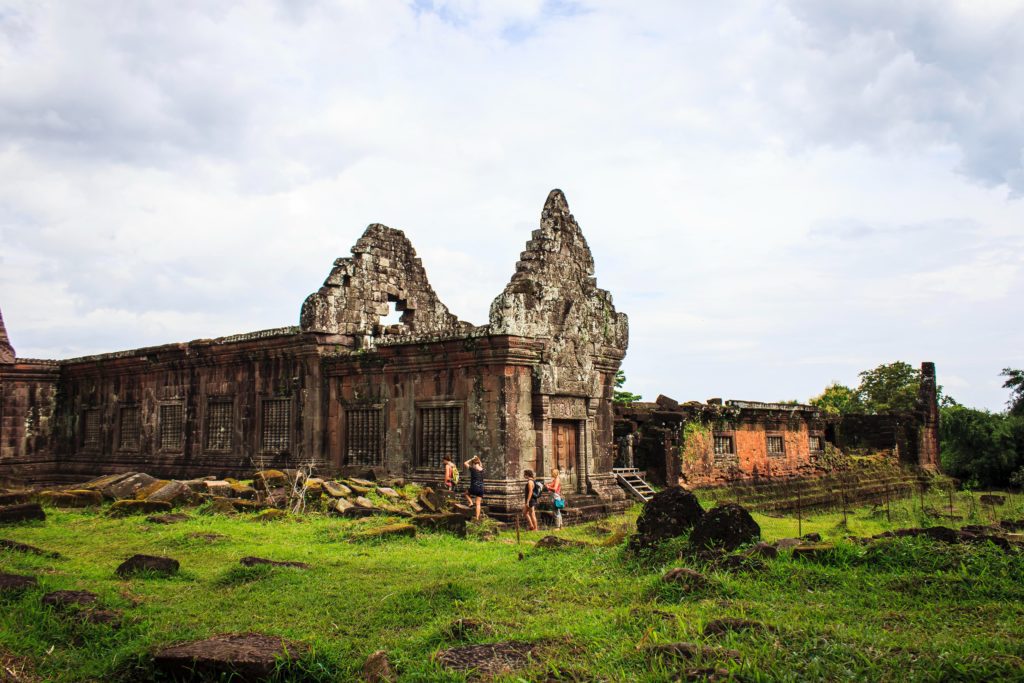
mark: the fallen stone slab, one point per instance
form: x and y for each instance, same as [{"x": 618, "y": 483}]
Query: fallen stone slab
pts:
[
  {"x": 358, "y": 489},
  {"x": 339, "y": 506},
  {"x": 233, "y": 656},
  {"x": 355, "y": 512},
  {"x": 128, "y": 487},
  {"x": 688, "y": 579},
  {"x": 148, "y": 564},
  {"x": 557, "y": 542},
  {"x": 787, "y": 543},
  {"x": 717, "y": 627},
  {"x": 451, "y": 523},
  {"x": 763, "y": 550},
  {"x": 363, "y": 482},
  {"x": 269, "y": 515},
  {"x": 124, "y": 508},
  {"x": 16, "y": 497},
  {"x": 383, "y": 532},
  {"x": 22, "y": 512},
  {"x": 173, "y": 492},
  {"x": 388, "y": 492},
  {"x": 220, "y": 506},
  {"x": 689, "y": 651},
  {"x": 172, "y": 518},
  {"x": 13, "y": 584},
  {"x": 252, "y": 561},
  {"x": 364, "y": 502},
  {"x": 69, "y": 599},
  {"x": 265, "y": 480},
  {"x": 243, "y": 505},
  {"x": 377, "y": 668},
  {"x": 336, "y": 489},
  {"x": 1012, "y": 524},
  {"x": 726, "y": 527},
  {"x": 992, "y": 499},
  {"x": 17, "y": 547},
  {"x": 813, "y": 551},
  {"x": 488, "y": 660},
  {"x": 99, "y": 483},
  {"x": 946, "y": 535}
]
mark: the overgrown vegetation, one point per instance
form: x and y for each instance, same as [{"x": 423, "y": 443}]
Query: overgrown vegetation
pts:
[{"x": 905, "y": 609}]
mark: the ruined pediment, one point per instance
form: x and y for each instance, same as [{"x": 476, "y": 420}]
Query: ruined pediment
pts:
[
  {"x": 6, "y": 350},
  {"x": 383, "y": 270},
  {"x": 553, "y": 295}
]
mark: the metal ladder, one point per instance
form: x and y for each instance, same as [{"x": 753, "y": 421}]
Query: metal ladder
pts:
[{"x": 630, "y": 479}]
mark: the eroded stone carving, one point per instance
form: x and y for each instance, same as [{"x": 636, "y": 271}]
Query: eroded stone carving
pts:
[
  {"x": 553, "y": 295},
  {"x": 383, "y": 269},
  {"x": 6, "y": 350}
]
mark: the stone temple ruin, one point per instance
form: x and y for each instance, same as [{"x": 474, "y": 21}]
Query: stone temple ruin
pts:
[{"x": 346, "y": 393}]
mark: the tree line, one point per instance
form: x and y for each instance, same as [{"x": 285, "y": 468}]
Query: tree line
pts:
[{"x": 979, "y": 447}]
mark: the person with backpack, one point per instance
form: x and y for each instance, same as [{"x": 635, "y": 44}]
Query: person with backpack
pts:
[
  {"x": 476, "y": 484},
  {"x": 533, "y": 490}
]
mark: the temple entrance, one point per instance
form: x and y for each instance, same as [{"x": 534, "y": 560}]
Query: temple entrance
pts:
[{"x": 565, "y": 437}]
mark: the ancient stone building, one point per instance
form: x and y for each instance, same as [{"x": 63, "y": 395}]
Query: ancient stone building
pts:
[
  {"x": 531, "y": 389},
  {"x": 719, "y": 442}
]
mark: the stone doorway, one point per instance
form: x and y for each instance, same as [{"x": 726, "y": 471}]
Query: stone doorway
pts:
[{"x": 565, "y": 439}]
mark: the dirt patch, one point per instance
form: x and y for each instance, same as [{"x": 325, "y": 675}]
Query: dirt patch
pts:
[
  {"x": 12, "y": 584},
  {"x": 26, "y": 548},
  {"x": 486, "y": 661},
  {"x": 148, "y": 564}
]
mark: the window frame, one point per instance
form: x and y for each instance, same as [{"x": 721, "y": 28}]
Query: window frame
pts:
[
  {"x": 419, "y": 456},
  {"x": 119, "y": 436},
  {"x": 262, "y": 448},
  {"x": 378, "y": 459},
  {"x": 159, "y": 445},
  {"x": 86, "y": 445},
  {"x": 220, "y": 399},
  {"x": 767, "y": 444}
]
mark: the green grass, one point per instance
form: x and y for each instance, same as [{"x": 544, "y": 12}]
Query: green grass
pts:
[{"x": 906, "y": 609}]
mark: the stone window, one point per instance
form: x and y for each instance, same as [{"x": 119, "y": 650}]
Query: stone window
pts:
[
  {"x": 220, "y": 423},
  {"x": 171, "y": 435},
  {"x": 816, "y": 443},
  {"x": 129, "y": 428},
  {"x": 723, "y": 445},
  {"x": 440, "y": 435},
  {"x": 776, "y": 445},
  {"x": 91, "y": 428},
  {"x": 363, "y": 436},
  {"x": 276, "y": 430}
]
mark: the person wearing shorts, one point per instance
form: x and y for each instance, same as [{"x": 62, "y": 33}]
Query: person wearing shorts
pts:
[
  {"x": 532, "y": 498},
  {"x": 475, "y": 495}
]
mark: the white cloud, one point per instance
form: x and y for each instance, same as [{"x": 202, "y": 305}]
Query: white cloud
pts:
[{"x": 767, "y": 188}]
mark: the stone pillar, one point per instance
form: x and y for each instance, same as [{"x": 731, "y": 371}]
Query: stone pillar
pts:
[{"x": 928, "y": 419}]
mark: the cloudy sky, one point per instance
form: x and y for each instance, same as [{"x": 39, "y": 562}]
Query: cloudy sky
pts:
[{"x": 779, "y": 194}]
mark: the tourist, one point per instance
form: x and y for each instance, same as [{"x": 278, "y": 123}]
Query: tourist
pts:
[
  {"x": 451, "y": 474},
  {"x": 555, "y": 486},
  {"x": 533, "y": 491},
  {"x": 475, "y": 495}
]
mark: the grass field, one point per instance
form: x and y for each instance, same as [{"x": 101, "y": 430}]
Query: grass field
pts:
[{"x": 905, "y": 609}]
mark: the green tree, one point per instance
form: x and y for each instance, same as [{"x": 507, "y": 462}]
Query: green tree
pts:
[
  {"x": 620, "y": 395},
  {"x": 837, "y": 399},
  {"x": 891, "y": 387},
  {"x": 1015, "y": 383},
  {"x": 979, "y": 446}
]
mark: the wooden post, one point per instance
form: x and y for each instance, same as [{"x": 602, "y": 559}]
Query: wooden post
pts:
[
  {"x": 888, "y": 515},
  {"x": 799, "y": 513}
]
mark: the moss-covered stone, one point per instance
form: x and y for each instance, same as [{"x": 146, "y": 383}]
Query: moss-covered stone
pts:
[
  {"x": 123, "y": 508},
  {"x": 270, "y": 515},
  {"x": 149, "y": 489},
  {"x": 387, "y": 531}
]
